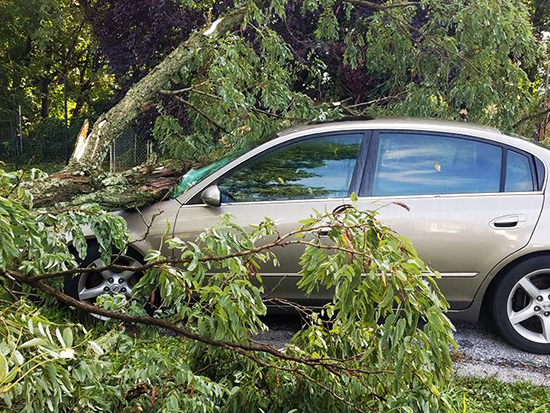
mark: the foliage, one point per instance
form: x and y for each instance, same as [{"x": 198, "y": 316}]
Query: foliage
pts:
[
  {"x": 541, "y": 15},
  {"x": 432, "y": 59},
  {"x": 42, "y": 364},
  {"x": 381, "y": 344},
  {"x": 41, "y": 42},
  {"x": 287, "y": 62},
  {"x": 476, "y": 53},
  {"x": 47, "y": 168},
  {"x": 37, "y": 242},
  {"x": 238, "y": 98}
]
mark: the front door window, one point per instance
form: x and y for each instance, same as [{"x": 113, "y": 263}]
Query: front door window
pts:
[{"x": 309, "y": 169}]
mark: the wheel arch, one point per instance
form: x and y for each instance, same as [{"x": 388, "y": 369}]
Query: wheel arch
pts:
[
  {"x": 93, "y": 241},
  {"x": 492, "y": 283}
]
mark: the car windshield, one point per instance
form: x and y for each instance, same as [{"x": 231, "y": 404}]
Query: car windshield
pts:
[{"x": 194, "y": 176}]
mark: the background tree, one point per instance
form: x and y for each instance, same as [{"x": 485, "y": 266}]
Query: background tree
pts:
[
  {"x": 45, "y": 46},
  {"x": 541, "y": 15},
  {"x": 423, "y": 59}
]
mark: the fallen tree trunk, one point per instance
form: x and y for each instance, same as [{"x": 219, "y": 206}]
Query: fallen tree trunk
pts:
[{"x": 136, "y": 187}]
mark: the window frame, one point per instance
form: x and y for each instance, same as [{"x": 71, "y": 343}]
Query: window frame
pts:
[
  {"x": 367, "y": 181},
  {"x": 356, "y": 177}
]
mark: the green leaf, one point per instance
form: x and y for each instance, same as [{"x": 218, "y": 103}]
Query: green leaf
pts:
[
  {"x": 68, "y": 336},
  {"x": 33, "y": 342},
  {"x": 96, "y": 348},
  {"x": 60, "y": 337},
  {"x": 4, "y": 370}
]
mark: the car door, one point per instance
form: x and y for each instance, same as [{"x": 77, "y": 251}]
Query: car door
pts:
[
  {"x": 471, "y": 202},
  {"x": 285, "y": 183}
]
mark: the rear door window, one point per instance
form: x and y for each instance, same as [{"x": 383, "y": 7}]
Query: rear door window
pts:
[{"x": 419, "y": 164}]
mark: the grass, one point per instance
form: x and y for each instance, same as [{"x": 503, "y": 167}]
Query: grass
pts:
[
  {"x": 473, "y": 395},
  {"x": 48, "y": 167}
]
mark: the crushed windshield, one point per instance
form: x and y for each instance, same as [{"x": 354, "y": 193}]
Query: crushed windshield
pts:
[{"x": 194, "y": 176}]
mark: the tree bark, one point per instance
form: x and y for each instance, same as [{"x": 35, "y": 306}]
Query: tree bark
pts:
[{"x": 137, "y": 187}]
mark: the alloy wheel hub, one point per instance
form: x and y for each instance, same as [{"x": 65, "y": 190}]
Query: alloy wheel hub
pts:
[
  {"x": 529, "y": 306},
  {"x": 91, "y": 286}
]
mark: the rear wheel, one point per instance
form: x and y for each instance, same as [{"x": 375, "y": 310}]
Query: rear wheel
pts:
[
  {"x": 87, "y": 286},
  {"x": 521, "y": 305}
]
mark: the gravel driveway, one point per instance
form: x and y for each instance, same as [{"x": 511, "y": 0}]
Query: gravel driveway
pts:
[{"x": 481, "y": 352}]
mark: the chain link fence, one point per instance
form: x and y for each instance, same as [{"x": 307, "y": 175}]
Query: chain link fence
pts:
[
  {"x": 129, "y": 150},
  {"x": 10, "y": 143},
  {"x": 48, "y": 146}
]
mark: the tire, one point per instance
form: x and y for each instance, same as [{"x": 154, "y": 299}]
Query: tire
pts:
[
  {"x": 521, "y": 305},
  {"x": 86, "y": 287}
]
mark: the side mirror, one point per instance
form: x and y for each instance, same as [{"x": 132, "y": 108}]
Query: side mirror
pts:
[{"x": 212, "y": 196}]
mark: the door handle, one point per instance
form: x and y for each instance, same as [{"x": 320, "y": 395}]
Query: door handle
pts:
[
  {"x": 509, "y": 221},
  {"x": 506, "y": 224}
]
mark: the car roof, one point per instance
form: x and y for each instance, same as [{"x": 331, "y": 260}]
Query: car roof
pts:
[{"x": 381, "y": 123}]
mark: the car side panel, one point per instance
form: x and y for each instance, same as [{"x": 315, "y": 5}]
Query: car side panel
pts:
[
  {"x": 453, "y": 236},
  {"x": 538, "y": 244}
]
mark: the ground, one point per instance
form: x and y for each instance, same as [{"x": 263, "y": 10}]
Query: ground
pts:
[{"x": 481, "y": 351}]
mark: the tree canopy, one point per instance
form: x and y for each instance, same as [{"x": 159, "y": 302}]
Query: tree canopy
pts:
[
  {"x": 44, "y": 42},
  {"x": 426, "y": 58}
]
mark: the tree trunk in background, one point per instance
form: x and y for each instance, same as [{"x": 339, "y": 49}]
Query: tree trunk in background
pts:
[
  {"x": 85, "y": 85},
  {"x": 45, "y": 89}
]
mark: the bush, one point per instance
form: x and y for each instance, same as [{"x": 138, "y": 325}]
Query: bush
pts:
[{"x": 381, "y": 344}]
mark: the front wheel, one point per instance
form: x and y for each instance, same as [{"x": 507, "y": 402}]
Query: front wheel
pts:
[
  {"x": 87, "y": 286},
  {"x": 521, "y": 305}
]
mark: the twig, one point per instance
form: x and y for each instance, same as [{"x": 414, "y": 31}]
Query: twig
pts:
[
  {"x": 212, "y": 96},
  {"x": 201, "y": 113},
  {"x": 370, "y": 102},
  {"x": 9, "y": 291},
  {"x": 20, "y": 177},
  {"x": 180, "y": 91},
  {"x": 280, "y": 242},
  {"x": 147, "y": 225},
  {"x": 384, "y": 7}
]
